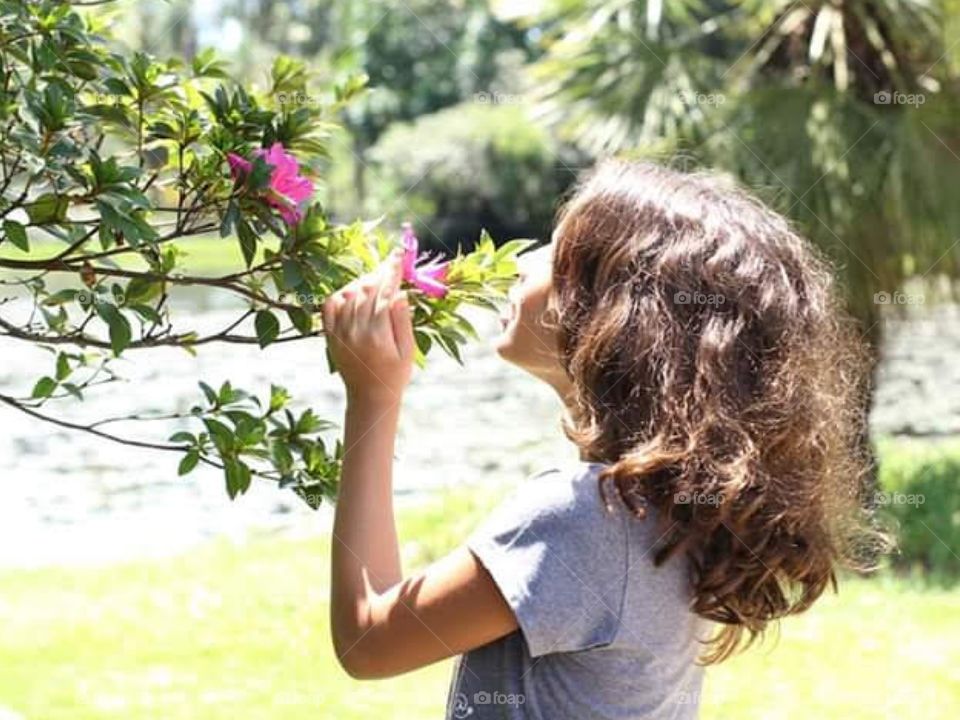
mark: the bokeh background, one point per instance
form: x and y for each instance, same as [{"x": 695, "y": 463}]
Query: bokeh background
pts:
[{"x": 126, "y": 592}]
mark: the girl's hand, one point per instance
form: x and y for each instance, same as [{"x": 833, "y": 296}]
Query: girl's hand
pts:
[{"x": 370, "y": 333}]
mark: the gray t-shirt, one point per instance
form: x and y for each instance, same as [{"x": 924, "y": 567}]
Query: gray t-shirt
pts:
[{"x": 603, "y": 634}]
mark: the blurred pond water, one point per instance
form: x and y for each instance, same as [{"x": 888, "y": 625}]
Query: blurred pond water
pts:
[{"x": 67, "y": 497}]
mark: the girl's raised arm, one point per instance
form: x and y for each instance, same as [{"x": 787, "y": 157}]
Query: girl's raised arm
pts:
[{"x": 383, "y": 624}]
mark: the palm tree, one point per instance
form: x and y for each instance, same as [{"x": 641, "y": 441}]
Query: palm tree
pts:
[{"x": 841, "y": 111}]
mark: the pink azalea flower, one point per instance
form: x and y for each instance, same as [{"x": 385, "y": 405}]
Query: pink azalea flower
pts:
[
  {"x": 427, "y": 277},
  {"x": 289, "y": 191},
  {"x": 239, "y": 167}
]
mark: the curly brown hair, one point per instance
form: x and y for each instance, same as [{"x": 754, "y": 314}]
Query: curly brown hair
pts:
[{"x": 717, "y": 374}]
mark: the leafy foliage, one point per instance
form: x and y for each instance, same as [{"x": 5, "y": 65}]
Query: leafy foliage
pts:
[
  {"x": 476, "y": 164},
  {"x": 116, "y": 160},
  {"x": 919, "y": 495}
]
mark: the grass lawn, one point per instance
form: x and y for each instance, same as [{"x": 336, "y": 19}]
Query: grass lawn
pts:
[
  {"x": 205, "y": 254},
  {"x": 241, "y": 631}
]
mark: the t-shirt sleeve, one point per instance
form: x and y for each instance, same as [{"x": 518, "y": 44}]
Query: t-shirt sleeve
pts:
[{"x": 559, "y": 561}]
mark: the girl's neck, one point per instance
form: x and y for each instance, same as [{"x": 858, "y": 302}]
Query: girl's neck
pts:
[{"x": 564, "y": 389}]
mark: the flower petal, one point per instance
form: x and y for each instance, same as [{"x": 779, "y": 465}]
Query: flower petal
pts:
[
  {"x": 430, "y": 286},
  {"x": 409, "y": 252},
  {"x": 239, "y": 167},
  {"x": 434, "y": 272}
]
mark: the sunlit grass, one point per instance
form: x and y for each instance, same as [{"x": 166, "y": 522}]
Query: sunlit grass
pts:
[
  {"x": 879, "y": 649},
  {"x": 203, "y": 255},
  {"x": 241, "y": 631}
]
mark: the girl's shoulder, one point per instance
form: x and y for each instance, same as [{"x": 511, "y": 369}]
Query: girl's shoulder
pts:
[
  {"x": 560, "y": 506},
  {"x": 573, "y": 488}
]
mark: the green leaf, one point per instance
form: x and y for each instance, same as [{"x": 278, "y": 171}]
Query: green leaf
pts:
[
  {"x": 231, "y": 475},
  {"x": 331, "y": 363},
  {"x": 120, "y": 331},
  {"x": 44, "y": 387},
  {"x": 188, "y": 463},
  {"x": 121, "y": 218},
  {"x": 48, "y": 209},
  {"x": 63, "y": 367},
  {"x": 465, "y": 325},
  {"x": 146, "y": 312},
  {"x": 282, "y": 457},
  {"x": 423, "y": 341},
  {"x": 17, "y": 234},
  {"x": 229, "y": 394},
  {"x": 311, "y": 495},
  {"x": 209, "y": 392},
  {"x": 142, "y": 290},
  {"x": 279, "y": 397},
  {"x": 301, "y": 319},
  {"x": 238, "y": 477},
  {"x": 251, "y": 432},
  {"x": 230, "y": 219},
  {"x": 309, "y": 423},
  {"x": 206, "y": 64},
  {"x": 62, "y": 297},
  {"x": 248, "y": 241},
  {"x": 73, "y": 390},
  {"x": 449, "y": 344},
  {"x": 292, "y": 277},
  {"x": 510, "y": 249},
  {"x": 221, "y": 435},
  {"x": 260, "y": 174},
  {"x": 267, "y": 327}
]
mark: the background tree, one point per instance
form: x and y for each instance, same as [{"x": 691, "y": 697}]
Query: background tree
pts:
[
  {"x": 420, "y": 56},
  {"x": 843, "y": 111}
]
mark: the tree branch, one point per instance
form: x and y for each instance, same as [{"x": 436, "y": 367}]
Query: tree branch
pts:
[{"x": 182, "y": 340}]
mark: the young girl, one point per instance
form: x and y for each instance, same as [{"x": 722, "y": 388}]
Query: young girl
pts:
[{"x": 714, "y": 389}]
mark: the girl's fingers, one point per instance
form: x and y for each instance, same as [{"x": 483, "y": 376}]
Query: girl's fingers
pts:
[
  {"x": 377, "y": 301},
  {"x": 370, "y": 300},
  {"x": 394, "y": 273},
  {"x": 333, "y": 308},
  {"x": 391, "y": 276},
  {"x": 350, "y": 293},
  {"x": 402, "y": 324}
]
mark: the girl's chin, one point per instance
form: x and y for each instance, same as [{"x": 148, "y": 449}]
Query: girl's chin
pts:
[{"x": 503, "y": 341}]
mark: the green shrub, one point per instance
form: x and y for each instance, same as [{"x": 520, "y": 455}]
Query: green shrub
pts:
[
  {"x": 470, "y": 166},
  {"x": 920, "y": 492}
]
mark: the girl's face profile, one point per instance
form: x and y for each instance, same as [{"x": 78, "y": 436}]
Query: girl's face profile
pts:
[{"x": 528, "y": 339}]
